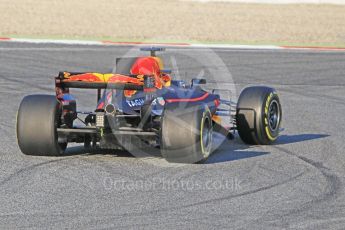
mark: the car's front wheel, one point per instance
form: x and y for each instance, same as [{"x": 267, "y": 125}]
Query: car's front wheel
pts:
[{"x": 259, "y": 115}]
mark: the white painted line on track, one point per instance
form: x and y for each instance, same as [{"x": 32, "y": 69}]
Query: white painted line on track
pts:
[
  {"x": 235, "y": 46},
  {"x": 63, "y": 49},
  {"x": 227, "y": 47},
  {"x": 194, "y": 49},
  {"x": 52, "y": 41}
]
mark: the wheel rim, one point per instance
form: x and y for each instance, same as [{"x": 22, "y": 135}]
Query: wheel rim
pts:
[
  {"x": 207, "y": 137},
  {"x": 273, "y": 115}
]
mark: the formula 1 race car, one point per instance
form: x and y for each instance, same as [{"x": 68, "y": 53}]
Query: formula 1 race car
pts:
[{"x": 141, "y": 104}]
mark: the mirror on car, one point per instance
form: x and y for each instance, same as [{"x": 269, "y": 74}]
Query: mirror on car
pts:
[{"x": 198, "y": 81}]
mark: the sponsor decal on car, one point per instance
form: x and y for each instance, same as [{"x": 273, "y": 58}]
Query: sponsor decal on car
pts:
[
  {"x": 135, "y": 102},
  {"x": 158, "y": 101}
]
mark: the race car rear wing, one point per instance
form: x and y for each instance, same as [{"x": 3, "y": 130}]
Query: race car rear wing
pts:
[
  {"x": 66, "y": 80},
  {"x": 101, "y": 81},
  {"x": 99, "y": 85}
]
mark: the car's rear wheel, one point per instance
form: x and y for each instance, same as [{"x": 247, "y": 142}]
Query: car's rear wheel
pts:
[
  {"x": 259, "y": 115},
  {"x": 186, "y": 134},
  {"x": 37, "y": 121}
]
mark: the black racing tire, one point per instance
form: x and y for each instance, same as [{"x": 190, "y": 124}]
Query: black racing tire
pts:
[
  {"x": 37, "y": 120},
  {"x": 186, "y": 134},
  {"x": 258, "y": 115}
]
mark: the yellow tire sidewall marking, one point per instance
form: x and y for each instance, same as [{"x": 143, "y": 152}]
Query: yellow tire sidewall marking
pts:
[
  {"x": 201, "y": 132},
  {"x": 268, "y": 133}
]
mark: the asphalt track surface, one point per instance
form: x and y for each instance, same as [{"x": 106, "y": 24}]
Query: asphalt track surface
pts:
[{"x": 297, "y": 183}]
